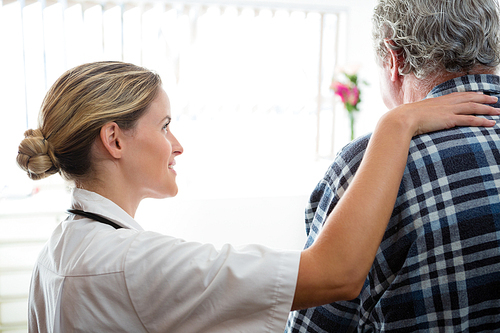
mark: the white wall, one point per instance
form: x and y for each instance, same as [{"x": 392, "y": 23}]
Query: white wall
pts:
[
  {"x": 360, "y": 50},
  {"x": 259, "y": 209},
  {"x": 249, "y": 206},
  {"x": 262, "y": 209},
  {"x": 203, "y": 156}
]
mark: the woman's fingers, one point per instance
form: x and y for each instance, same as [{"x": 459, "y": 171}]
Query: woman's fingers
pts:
[
  {"x": 465, "y": 109},
  {"x": 474, "y": 108},
  {"x": 473, "y": 121},
  {"x": 452, "y": 110},
  {"x": 464, "y": 97}
]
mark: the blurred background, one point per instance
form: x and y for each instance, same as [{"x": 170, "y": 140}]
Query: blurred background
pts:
[{"x": 249, "y": 84}]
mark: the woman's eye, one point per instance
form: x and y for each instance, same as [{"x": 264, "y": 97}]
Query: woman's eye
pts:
[{"x": 165, "y": 128}]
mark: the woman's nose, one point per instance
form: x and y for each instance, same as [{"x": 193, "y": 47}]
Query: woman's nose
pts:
[{"x": 176, "y": 146}]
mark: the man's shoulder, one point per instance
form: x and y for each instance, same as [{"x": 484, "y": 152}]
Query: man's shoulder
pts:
[
  {"x": 348, "y": 158},
  {"x": 337, "y": 177},
  {"x": 450, "y": 141},
  {"x": 354, "y": 148},
  {"x": 352, "y": 153},
  {"x": 434, "y": 145}
]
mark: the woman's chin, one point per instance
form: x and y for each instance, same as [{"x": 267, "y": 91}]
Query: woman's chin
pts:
[{"x": 172, "y": 192}]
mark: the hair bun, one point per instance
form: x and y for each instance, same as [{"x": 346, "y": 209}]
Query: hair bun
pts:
[{"x": 36, "y": 155}]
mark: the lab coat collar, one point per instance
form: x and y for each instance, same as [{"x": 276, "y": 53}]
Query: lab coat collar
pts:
[{"x": 94, "y": 203}]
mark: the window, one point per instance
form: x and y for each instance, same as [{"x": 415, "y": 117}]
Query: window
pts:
[{"x": 247, "y": 84}]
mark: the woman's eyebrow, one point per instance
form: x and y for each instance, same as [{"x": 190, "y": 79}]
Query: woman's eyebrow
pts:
[{"x": 169, "y": 118}]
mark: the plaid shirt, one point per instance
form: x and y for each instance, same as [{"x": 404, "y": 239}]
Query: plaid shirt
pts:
[{"x": 438, "y": 266}]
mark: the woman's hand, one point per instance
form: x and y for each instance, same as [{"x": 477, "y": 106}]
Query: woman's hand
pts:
[{"x": 456, "y": 109}]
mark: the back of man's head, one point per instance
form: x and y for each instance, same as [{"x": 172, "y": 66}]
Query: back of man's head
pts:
[{"x": 454, "y": 36}]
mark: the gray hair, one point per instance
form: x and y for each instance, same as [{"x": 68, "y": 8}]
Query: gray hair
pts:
[{"x": 438, "y": 35}]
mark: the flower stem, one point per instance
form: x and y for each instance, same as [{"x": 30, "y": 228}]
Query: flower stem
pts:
[{"x": 351, "y": 118}]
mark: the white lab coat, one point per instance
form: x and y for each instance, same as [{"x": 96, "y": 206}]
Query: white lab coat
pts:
[{"x": 91, "y": 277}]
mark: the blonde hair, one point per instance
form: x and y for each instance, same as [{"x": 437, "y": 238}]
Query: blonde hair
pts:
[{"x": 75, "y": 108}]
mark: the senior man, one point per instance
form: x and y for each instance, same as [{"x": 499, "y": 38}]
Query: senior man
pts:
[{"x": 438, "y": 267}]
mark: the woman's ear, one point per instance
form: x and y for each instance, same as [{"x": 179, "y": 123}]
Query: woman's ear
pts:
[{"x": 111, "y": 138}]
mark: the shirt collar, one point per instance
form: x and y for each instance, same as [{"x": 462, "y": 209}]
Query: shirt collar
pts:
[
  {"x": 94, "y": 203},
  {"x": 487, "y": 83}
]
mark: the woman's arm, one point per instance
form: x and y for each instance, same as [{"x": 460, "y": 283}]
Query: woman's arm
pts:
[{"x": 336, "y": 265}]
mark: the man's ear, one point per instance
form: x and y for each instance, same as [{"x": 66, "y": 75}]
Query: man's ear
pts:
[
  {"x": 395, "y": 60},
  {"x": 111, "y": 138}
]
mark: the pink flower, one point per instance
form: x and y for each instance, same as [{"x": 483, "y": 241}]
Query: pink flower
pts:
[
  {"x": 353, "y": 96},
  {"x": 341, "y": 90},
  {"x": 348, "y": 93}
]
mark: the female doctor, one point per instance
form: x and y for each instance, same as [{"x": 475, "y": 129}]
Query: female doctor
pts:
[{"x": 106, "y": 126}]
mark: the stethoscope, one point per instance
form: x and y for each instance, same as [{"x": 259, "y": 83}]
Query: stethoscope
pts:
[{"x": 94, "y": 217}]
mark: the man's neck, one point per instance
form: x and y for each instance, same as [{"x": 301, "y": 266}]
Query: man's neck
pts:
[{"x": 415, "y": 89}]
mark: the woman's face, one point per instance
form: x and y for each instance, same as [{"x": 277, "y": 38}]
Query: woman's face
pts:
[{"x": 152, "y": 150}]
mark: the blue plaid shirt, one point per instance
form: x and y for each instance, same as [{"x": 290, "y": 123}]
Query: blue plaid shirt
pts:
[{"x": 438, "y": 266}]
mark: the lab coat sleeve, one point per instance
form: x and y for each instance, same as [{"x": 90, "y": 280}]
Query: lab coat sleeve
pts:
[{"x": 178, "y": 286}]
